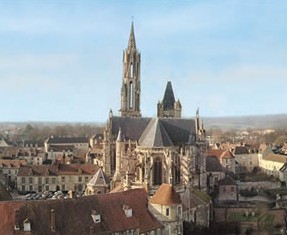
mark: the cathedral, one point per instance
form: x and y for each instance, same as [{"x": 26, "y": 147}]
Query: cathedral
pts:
[{"x": 149, "y": 151}]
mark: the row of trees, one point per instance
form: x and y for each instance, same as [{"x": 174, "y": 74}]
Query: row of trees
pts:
[
  {"x": 41, "y": 132},
  {"x": 278, "y": 137}
]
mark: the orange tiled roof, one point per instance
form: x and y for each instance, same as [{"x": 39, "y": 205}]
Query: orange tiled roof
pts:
[
  {"x": 12, "y": 163},
  {"x": 220, "y": 153},
  {"x": 165, "y": 195}
]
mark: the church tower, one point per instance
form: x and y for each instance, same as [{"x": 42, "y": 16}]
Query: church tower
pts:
[
  {"x": 130, "y": 93},
  {"x": 168, "y": 107}
]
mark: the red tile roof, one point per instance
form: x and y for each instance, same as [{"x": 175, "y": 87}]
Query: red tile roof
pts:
[
  {"x": 78, "y": 220},
  {"x": 165, "y": 195},
  {"x": 58, "y": 169},
  {"x": 220, "y": 153}
]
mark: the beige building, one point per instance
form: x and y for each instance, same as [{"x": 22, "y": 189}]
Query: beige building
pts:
[
  {"x": 77, "y": 142},
  {"x": 9, "y": 169},
  {"x": 40, "y": 178},
  {"x": 228, "y": 190},
  {"x": 245, "y": 161},
  {"x": 271, "y": 163},
  {"x": 167, "y": 208}
]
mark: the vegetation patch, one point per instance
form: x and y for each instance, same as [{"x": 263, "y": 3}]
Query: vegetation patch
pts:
[
  {"x": 242, "y": 217},
  {"x": 202, "y": 195}
]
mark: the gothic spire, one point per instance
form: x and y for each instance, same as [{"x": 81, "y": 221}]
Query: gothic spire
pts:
[
  {"x": 168, "y": 98},
  {"x": 132, "y": 39}
]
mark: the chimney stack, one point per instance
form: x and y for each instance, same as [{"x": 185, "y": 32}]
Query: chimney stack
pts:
[
  {"x": 17, "y": 220},
  {"x": 53, "y": 221}
]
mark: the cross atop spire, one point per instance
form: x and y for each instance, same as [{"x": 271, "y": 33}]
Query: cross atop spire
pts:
[{"x": 132, "y": 39}]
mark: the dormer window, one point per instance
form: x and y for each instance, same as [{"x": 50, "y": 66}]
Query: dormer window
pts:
[
  {"x": 96, "y": 216},
  {"x": 27, "y": 225},
  {"x": 128, "y": 211}
]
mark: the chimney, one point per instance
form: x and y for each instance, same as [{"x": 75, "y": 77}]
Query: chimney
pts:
[
  {"x": 17, "y": 220},
  {"x": 53, "y": 221}
]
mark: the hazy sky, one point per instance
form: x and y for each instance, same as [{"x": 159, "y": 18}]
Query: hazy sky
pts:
[{"x": 62, "y": 60}]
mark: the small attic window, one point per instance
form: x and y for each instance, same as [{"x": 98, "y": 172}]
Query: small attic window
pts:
[
  {"x": 128, "y": 211},
  {"x": 27, "y": 225},
  {"x": 96, "y": 216}
]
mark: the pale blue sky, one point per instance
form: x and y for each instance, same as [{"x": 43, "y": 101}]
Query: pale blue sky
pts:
[{"x": 62, "y": 60}]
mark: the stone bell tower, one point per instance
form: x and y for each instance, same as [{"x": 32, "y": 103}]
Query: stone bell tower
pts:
[{"x": 130, "y": 93}]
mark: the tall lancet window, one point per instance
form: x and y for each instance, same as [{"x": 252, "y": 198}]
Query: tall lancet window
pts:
[
  {"x": 157, "y": 172},
  {"x": 131, "y": 95},
  {"x": 132, "y": 70}
]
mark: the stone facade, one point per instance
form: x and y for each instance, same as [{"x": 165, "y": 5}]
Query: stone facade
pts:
[
  {"x": 130, "y": 94},
  {"x": 168, "y": 107},
  {"x": 146, "y": 152}
]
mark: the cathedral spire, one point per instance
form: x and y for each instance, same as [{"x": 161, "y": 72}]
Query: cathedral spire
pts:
[
  {"x": 132, "y": 39},
  {"x": 130, "y": 93},
  {"x": 168, "y": 107}
]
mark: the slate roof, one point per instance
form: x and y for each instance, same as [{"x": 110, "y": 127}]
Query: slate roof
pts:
[
  {"x": 131, "y": 127},
  {"x": 227, "y": 181},
  {"x": 178, "y": 129},
  {"x": 213, "y": 165},
  {"x": 165, "y": 195},
  {"x": 168, "y": 98},
  {"x": 99, "y": 179},
  {"x": 155, "y": 135},
  {"x": 73, "y": 216},
  {"x": 240, "y": 150},
  {"x": 66, "y": 140}
]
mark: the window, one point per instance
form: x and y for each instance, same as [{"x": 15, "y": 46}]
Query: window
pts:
[
  {"x": 179, "y": 211},
  {"x": 40, "y": 180},
  {"x": 23, "y": 187},
  {"x": 80, "y": 179},
  {"x": 31, "y": 188},
  {"x": 167, "y": 211},
  {"x": 47, "y": 180},
  {"x": 86, "y": 179},
  {"x": 63, "y": 178},
  {"x": 47, "y": 188},
  {"x": 23, "y": 180},
  {"x": 53, "y": 180},
  {"x": 30, "y": 180}
]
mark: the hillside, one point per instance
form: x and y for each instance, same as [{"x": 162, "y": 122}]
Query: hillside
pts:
[{"x": 243, "y": 122}]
